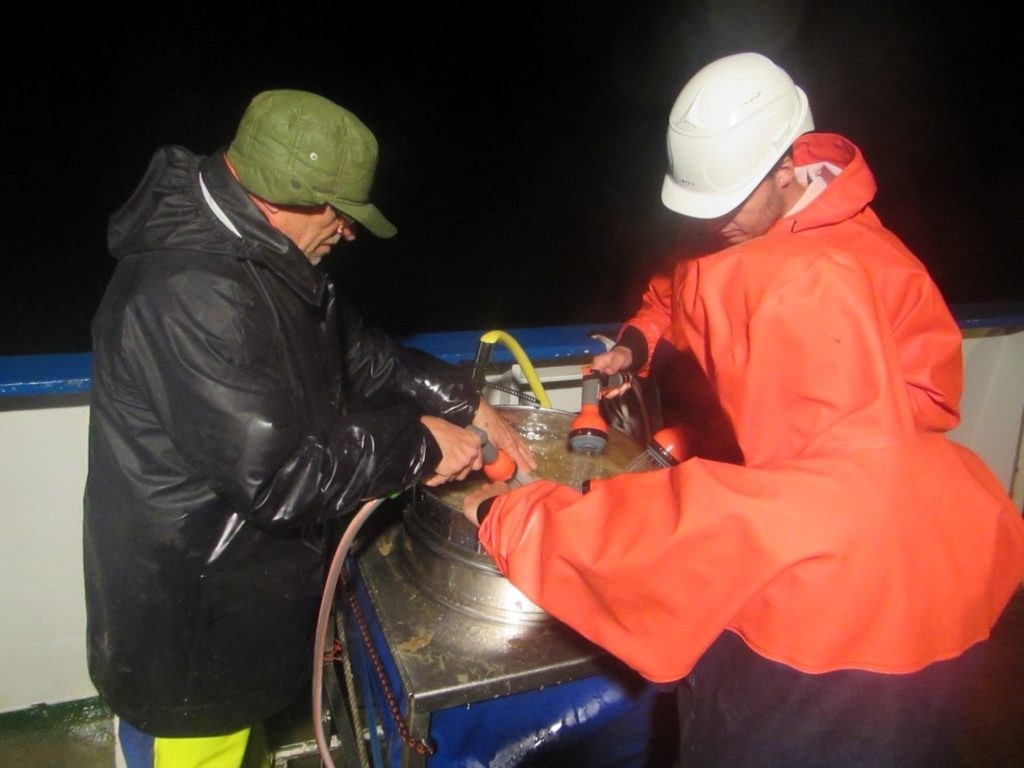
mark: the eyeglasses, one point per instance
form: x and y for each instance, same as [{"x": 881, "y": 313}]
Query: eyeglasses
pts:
[{"x": 344, "y": 220}]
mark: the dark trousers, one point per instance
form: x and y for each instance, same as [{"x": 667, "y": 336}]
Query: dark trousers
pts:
[{"x": 739, "y": 710}]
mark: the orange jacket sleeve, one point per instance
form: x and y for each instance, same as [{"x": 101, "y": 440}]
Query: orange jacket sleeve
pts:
[
  {"x": 855, "y": 529},
  {"x": 654, "y": 318}
]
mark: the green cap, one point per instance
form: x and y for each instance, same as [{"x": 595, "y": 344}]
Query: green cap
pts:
[{"x": 297, "y": 148}]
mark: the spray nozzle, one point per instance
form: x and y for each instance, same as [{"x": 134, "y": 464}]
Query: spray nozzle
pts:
[
  {"x": 588, "y": 432},
  {"x": 669, "y": 446}
]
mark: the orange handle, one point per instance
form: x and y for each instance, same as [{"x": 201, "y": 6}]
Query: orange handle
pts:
[
  {"x": 498, "y": 465},
  {"x": 502, "y": 469}
]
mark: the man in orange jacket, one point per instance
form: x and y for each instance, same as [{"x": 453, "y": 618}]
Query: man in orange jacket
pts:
[{"x": 826, "y": 602}]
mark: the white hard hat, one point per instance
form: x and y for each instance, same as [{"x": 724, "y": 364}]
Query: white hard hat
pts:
[{"x": 728, "y": 127}]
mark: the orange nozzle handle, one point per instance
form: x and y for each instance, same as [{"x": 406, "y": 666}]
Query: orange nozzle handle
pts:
[
  {"x": 502, "y": 469},
  {"x": 498, "y": 465}
]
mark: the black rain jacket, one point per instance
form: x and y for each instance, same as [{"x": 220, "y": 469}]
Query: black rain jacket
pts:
[{"x": 237, "y": 408}]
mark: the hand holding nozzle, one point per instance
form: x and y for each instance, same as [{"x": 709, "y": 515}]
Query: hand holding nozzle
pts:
[
  {"x": 460, "y": 451},
  {"x": 503, "y": 436},
  {"x": 498, "y": 465},
  {"x": 615, "y": 364}
]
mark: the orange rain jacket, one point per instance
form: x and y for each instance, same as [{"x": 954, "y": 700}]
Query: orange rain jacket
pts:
[{"x": 856, "y": 535}]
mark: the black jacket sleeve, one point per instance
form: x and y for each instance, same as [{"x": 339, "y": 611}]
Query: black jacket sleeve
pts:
[
  {"x": 377, "y": 363},
  {"x": 239, "y": 416}
]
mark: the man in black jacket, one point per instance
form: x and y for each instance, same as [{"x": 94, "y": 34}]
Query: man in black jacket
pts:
[{"x": 237, "y": 406}]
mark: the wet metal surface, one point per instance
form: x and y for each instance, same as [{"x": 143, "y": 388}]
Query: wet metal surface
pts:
[
  {"x": 458, "y": 635},
  {"x": 439, "y": 547},
  {"x": 546, "y": 431},
  {"x": 446, "y": 657}
]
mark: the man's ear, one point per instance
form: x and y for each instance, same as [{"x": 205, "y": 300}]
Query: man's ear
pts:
[{"x": 785, "y": 172}]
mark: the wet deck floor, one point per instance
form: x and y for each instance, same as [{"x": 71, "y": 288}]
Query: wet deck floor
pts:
[{"x": 78, "y": 735}]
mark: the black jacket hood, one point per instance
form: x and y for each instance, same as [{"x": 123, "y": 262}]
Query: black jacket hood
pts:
[{"x": 167, "y": 211}]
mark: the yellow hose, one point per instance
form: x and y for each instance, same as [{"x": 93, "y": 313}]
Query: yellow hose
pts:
[{"x": 492, "y": 337}]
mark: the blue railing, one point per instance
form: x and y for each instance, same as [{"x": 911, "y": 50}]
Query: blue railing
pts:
[{"x": 68, "y": 374}]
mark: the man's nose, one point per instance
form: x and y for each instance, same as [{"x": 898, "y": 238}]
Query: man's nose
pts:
[{"x": 346, "y": 228}]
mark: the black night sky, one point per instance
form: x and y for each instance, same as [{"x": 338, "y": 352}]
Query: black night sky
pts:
[{"x": 522, "y": 145}]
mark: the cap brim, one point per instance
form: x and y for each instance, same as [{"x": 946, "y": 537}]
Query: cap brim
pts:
[
  {"x": 678, "y": 198},
  {"x": 367, "y": 215}
]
